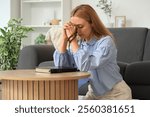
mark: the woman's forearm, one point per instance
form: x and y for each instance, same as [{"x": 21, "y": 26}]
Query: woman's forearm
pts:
[
  {"x": 63, "y": 45},
  {"x": 74, "y": 46}
]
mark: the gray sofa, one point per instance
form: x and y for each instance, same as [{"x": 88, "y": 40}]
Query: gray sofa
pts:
[{"x": 133, "y": 58}]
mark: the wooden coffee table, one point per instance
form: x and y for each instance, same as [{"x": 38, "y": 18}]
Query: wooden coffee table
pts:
[{"x": 30, "y": 85}]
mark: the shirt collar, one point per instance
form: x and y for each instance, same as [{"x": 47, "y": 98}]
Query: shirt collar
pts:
[{"x": 91, "y": 42}]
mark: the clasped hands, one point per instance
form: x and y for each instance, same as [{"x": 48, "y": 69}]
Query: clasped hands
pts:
[
  {"x": 70, "y": 31},
  {"x": 69, "y": 35}
]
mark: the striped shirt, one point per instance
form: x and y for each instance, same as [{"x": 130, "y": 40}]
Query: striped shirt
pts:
[{"x": 97, "y": 57}]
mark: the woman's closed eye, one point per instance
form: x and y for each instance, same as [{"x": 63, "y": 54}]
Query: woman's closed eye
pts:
[{"x": 79, "y": 26}]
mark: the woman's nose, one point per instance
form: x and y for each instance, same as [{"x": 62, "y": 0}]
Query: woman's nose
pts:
[{"x": 78, "y": 30}]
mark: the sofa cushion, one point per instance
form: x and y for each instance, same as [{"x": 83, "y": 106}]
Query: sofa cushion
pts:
[
  {"x": 53, "y": 36},
  {"x": 146, "y": 55},
  {"x": 130, "y": 43}
]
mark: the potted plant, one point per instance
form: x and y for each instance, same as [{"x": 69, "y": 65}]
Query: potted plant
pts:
[
  {"x": 40, "y": 39},
  {"x": 10, "y": 42}
]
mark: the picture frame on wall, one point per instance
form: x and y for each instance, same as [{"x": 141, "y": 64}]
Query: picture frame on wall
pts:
[{"x": 120, "y": 21}]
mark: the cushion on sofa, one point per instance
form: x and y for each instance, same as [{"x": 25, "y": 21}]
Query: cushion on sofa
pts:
[
  {"x": 53, "y": 36},
  {"x": 130, "y": 43}
]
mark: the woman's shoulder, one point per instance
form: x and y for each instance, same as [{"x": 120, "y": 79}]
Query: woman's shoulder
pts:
[{"x": 105, "y": 40}]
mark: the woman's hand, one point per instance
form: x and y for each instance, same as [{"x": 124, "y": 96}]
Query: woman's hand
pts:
[{"x": 68, "y": 30}]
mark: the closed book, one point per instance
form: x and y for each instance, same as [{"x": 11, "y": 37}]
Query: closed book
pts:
[
  {"x": 42, "y": 69},
  {"x": 54, "y": 69}
]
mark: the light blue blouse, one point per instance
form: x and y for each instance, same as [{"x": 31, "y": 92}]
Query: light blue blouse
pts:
[{"x": 97, "y": 57}]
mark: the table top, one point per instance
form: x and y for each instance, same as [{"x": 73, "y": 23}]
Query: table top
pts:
[{"x": 33, "y": 75}]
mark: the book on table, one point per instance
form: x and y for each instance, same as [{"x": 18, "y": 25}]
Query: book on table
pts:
[{"x": 54, "y": 69}]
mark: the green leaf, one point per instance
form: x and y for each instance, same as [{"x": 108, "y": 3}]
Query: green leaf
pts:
[{"x": 10, "y": 42}]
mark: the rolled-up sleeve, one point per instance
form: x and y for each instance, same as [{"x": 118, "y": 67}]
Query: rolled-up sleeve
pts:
[
  {"x": 91, "y": 59},
  {"x": 63, "y": 59}
]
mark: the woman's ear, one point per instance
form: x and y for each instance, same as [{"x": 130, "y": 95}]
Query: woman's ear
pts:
[{"x": 92, "y": 26}]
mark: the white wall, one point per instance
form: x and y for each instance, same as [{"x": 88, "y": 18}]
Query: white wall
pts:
[
  {"x": 4, "y": 12},
  {"x": 136, "y": 11},
  {"x": 8, "y": 9}
]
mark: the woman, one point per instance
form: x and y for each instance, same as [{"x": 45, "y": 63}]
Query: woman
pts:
[{"x": 96, "y": 53}]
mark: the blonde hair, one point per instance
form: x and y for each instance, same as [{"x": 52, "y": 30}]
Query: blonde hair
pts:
[{"x": 87, "y": 13}]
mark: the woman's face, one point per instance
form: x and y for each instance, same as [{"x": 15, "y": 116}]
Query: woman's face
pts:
[{"x": 84, "y": 28}]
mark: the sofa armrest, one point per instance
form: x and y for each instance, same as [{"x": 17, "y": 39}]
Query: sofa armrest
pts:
[
  {"x": 138, "y": 73},
  {"x": 137, "y": 76},
  {"x": 31, "y": 56}
]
